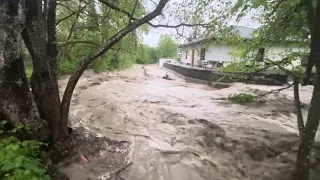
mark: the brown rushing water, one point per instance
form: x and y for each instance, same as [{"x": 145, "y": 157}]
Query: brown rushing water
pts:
[{"x": 179, "y": 132}]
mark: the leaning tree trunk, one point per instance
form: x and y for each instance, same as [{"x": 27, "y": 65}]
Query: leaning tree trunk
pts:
[
  {"x": 65, "y": 104},
  {"x": 303, "y": 158},
  {"x": 16, "y": 101}
]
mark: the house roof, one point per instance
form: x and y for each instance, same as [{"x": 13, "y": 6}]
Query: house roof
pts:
[{"x": 244, "y": 32}]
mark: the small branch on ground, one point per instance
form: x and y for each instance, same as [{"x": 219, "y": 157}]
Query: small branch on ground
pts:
[
  {"x": 275, "y": 91},
  {"x": 118, "y": 171},
  {"x": 259, "y": 95},
  {"x": 222, "y": 98},
  {"x": 145, "y": 71}
]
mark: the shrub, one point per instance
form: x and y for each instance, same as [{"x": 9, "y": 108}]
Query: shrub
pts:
[
  {"x": 19, "y": 160},
  {"x": 242, "y": 98}
]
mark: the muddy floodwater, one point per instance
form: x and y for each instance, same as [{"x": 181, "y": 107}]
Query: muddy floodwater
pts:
[{"x": 176, "y": 130}]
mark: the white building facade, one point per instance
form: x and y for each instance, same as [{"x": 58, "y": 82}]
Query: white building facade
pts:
[{"x": 217, "y": 54}]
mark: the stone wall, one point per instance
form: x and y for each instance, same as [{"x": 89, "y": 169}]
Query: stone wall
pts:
[
  {"x": 202, "y": 74},
  {"x": 228, "y": 77}
]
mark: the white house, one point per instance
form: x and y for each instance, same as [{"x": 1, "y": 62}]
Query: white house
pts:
[{"x": 218, "y": 54}]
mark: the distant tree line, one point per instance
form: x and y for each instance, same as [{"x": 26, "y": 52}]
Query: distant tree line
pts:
[{"x": 167, "y": 48}]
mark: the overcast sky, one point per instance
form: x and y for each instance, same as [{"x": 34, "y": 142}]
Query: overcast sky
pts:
[{"x": 152, "y": 38}]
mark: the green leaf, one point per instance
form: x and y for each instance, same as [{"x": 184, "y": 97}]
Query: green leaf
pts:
[
  {"x": 3, "y": 122},
  {"x": 20, "y": 126},
  {"x": 12, "y": 147},
  {"x": 14, "y": 130}
]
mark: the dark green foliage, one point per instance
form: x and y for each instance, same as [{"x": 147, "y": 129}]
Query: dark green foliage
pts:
[
  {"x": 148, "y": 55},
  {"x": 167, "y": 48},
  {"x": 67, "y": 67},
  {"x": 82, "y": 34},
  {"x": 19, "y": 160},
  {"x": 242, "y": 98}
]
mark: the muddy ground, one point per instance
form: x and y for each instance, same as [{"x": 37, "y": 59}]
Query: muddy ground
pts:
[{"x": 156, "y": 129}]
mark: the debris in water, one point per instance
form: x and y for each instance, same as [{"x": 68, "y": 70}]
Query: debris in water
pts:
[
  {"x": 167, "y": 77},
  {"x": 118, "y": 171},
  {"x": 83, "y": 159}
]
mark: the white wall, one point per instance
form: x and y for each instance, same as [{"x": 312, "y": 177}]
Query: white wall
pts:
[
  {"x": 221, "y": 53},
  {"x": 214, "y": 52},
  {"x": 218, "y": 52},
  {"x": 197, "y": 49},
  {"x": 277, "y": 53},
  {"x": 162, "y": 61}
]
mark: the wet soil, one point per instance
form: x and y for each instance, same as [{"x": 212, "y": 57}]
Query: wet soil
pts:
[{"x": 174, "y": 130}]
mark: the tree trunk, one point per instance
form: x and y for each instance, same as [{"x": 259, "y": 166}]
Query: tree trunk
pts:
[
  {"x": 308, "y": 6},
  {"x": 16, "y": 105},
  {"x": 303, "y": 157},
  {"x": 40, "y": 39},
  {"x": 297, "y": 103}
]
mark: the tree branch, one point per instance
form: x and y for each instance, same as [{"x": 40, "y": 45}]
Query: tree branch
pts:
[
  {"x": 275, "y": 91},
  {"x": 73, "y": 13},
  {"x": 180, "y": 25},
  {"x": 276, "y": 7},
  {"x": 112, "y": 6},
  {"x": 134, "y": 9},
  {"x": 79, "y": 42},
  {"x": 65, "y": 18},
  {"x": 51, "y": 33},
  {"x": 311, "y": 18},
  {"x": 103, "y": 48}
]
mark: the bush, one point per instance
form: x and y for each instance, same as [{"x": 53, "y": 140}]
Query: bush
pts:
[
  {"x": 19, "y": 160},
  {"x": 242, "y": 98}
]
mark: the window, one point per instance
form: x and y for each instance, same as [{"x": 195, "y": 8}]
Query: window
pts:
[
  {"x": 202, "y": 53},
  {"x": 186, "y": 54},
  {"x": 260, "y": 54}
]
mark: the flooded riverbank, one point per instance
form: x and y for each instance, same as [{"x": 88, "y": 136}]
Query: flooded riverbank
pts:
[{"x": 174, "y": 130}]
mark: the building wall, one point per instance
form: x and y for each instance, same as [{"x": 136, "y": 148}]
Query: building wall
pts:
[
  {"x": 277, "y": 53},
  {"x": 221, "y": 53},
  {"x": 188, "y": 50},
  {"x": 218, "y": 52}
]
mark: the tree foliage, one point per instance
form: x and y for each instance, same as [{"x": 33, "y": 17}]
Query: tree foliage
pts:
[
  {"x": 291, "y": 24},
  {"x": 83, "y": 32},
  {"x": 61, "y": 37},
  {"x": 167, "y": 48}
]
